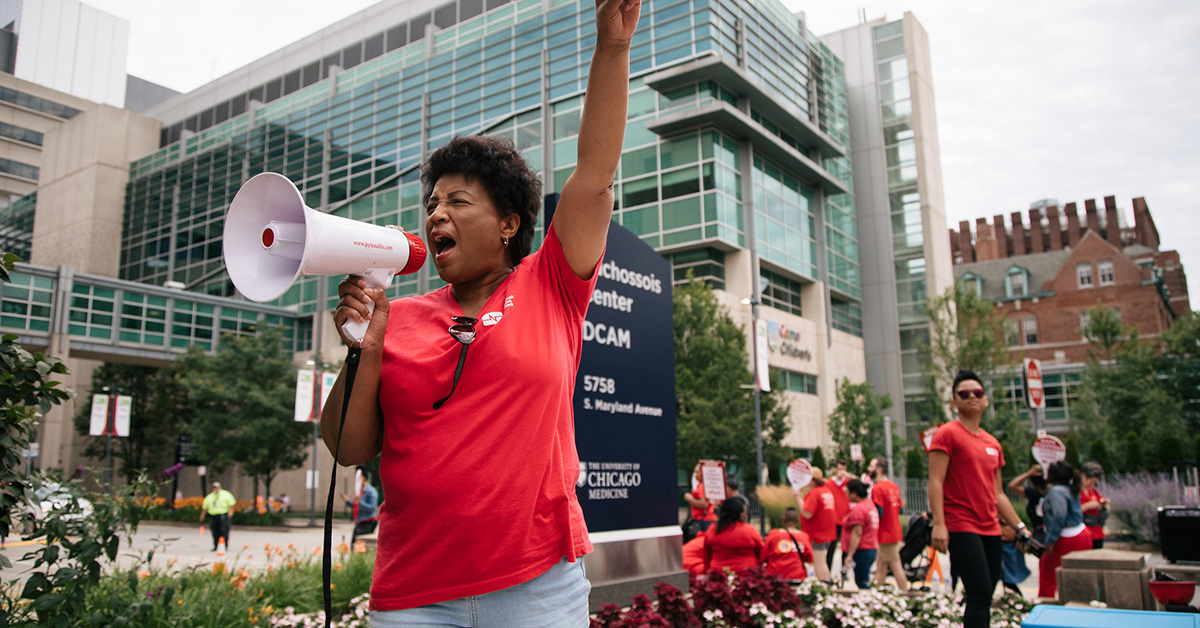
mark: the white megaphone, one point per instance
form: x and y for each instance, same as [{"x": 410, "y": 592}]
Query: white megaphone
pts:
[{"x": 272, "y": 238}]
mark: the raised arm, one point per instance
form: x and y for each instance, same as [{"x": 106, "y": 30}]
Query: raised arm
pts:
[
  {"x": 585, "y": 208},
  {"x": 1017, "y": 485}
]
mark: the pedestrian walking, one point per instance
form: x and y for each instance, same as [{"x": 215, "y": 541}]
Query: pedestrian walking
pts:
[
  {"x": 1065, "y": 532},
  {"x": 887, "y": 497},
  {"x": 365, "y": 508},
  {"x": 1094, "y": 505},
  {"x": 967, "y": 498},
  {"x": 820, "y": 522},
  {"x": 841, "y": 504},
  {"x": 860, "y": 534},
  {"x": 218, "y": 506}
]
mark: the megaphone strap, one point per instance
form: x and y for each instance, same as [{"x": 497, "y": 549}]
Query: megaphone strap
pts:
[{"x": 327, "y": 560}]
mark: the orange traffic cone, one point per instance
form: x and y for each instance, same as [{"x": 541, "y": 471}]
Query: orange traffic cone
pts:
[
  {"x": 935, "y": 566},
  {"x": 219, "y": 565}
]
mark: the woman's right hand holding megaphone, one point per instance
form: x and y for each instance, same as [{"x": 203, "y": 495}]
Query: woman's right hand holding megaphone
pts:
[{"x": 353, "y": 306}]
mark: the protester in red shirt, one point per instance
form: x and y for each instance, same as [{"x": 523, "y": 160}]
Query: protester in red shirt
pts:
[
  {"x": 438, "y": 416},
  {"x": 1095, "y": 505},
  {"x": 820, "y": 522},
  {"x": 886, "y": 495},
  {"x": 787, "y": 548},
  {"x": 732, "y": 543},
  {"x": 967, "y": 498},
  {"x": 861, "y": 540},
  {"x": 693, "y": 555},
  {"x": 841, "y": 504},
  {"x": 702, "y": 510}
]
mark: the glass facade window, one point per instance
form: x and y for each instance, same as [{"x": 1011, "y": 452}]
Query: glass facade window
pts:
[
  {"x": 20, "y": 134},
  {"x": 18, "y": 169},
  {"x": 1061, "y": 392},
  {"x": 782, "y": 293},
  {"x": 793, "y": 381},
  {"x": 848, "y": 317},
  {"x": 16, "y": 226},
  {"x": 1012, "y": 332},
  {"x": 517, "y": 69},
  {"x": 40, "y": 105},
  {"x": 26, "y": 302}
]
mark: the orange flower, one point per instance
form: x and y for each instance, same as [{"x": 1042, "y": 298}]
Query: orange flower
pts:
[{"x": 343, "y": 548}]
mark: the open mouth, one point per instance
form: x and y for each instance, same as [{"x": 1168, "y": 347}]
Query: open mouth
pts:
[{"x": 443, "y": 244}]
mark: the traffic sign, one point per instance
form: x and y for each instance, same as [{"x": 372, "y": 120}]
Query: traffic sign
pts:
[{"x": 1035, "y": 393}]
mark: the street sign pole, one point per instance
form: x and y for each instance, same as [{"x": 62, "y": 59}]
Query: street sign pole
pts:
[
  {"x": 887, "y": 435},
  {"x": 312, "y": 493}
]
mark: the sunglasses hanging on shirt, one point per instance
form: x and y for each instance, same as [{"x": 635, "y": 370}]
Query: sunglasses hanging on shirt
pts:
[{"x": 463, "y": 330}]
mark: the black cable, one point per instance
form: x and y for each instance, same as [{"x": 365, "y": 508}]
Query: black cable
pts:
[{"x": 327, "y": 561}]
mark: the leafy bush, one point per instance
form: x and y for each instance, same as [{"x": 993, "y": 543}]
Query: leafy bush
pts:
[{"x": 774, "y": 500}]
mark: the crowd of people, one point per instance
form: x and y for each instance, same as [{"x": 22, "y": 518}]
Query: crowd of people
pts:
[
  {"x": 970, "y": 516},
  {"x": 859, "y": 515}
]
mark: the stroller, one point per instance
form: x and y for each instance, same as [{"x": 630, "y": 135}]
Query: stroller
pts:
[{"x": 916, "y": 540}]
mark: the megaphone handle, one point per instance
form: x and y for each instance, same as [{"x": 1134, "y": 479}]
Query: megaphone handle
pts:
[{"x": 375, "y": 278}]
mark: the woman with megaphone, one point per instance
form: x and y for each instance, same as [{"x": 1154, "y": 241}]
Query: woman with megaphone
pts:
[{"x": 466, "y": 392}]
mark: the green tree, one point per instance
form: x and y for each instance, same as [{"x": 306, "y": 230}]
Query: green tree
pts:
[
  {"x": 858, "y": 419},
  {"x": 159, "y": 411},
  {"x": 1123, "y": 390},
  {"x": 1098, "y": 453},
  {"x": 966, "y": 331},
  {"x": 242, "y": 399},
  {"x": 1133, "y": 453},
  {"x": 715, "y": 414},
  {"x": 1179, "y": 363},
  {"x": 818, "y": 459},
  {"x": 914, "y": 462},
  {"x": 1072, "y": 457}
]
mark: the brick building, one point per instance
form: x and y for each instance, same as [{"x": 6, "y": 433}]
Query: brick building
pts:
[{"x": 1045, "y": 276}]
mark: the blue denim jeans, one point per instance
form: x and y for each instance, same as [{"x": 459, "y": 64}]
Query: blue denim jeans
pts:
[
  {"x": 555, "y": 599},
  {"x": 863, "y": 559}
]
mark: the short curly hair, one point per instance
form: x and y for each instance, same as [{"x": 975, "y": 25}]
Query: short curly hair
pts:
[{"x": 493, "y": 162}]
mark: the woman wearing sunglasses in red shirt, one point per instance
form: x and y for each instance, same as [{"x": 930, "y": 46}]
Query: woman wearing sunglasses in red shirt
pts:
[
  {"x": 491, "y": 398},
  {"x": 967, "y": 498}
]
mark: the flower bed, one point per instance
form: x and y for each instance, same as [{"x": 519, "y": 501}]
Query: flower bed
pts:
[
  {"x": 755, "y": 599},
  {"x": 188, "y": 509}
]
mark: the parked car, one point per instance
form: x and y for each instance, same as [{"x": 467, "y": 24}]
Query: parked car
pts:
[{"x": 55, "y": 497}]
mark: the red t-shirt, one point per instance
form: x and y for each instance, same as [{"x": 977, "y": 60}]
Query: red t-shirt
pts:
[
  {"x": 736, "y": 547},
  {"x": 970, "y": 485},
  {"x": 1092, "y": 495},
  {"x": 709, "y": 514},
  {"x": 822, "y": 527},
  {"x": 862, "y": 514},
  {"x": 887, "y": 496},
  {"x": 693, "y": 555},
  {"x": 841, "y": 500},
  {"x": 783, "y": 558},
  {"x": 501, "y": 450}
]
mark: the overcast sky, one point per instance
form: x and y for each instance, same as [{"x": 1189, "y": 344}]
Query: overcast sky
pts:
[{"x": 1069, "y": 100}]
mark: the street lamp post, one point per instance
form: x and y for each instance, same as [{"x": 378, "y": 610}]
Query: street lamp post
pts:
[
  {"x": 758, "y": 450},
  {"x": 111, "y": 414}
]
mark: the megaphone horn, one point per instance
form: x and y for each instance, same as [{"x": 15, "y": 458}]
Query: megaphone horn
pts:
[{"x": 272, "y": 238}]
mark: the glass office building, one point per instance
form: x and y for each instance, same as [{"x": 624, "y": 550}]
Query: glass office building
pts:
[{"x": 736, "y": 149}]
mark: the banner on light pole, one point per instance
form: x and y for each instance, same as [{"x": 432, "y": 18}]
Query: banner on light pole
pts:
[
  {"x": 99, "y": 422},
  {"x": 761, "y": 369}
]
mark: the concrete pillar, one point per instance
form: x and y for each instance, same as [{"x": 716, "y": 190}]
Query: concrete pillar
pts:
[
  {"x": 1002, "y": 246},
  {"x": 1056, "y": 235},
  {"x": 1037, "y": 241},
  {"x": 1113, "y": 227},
  {"x": 1093, "y": 219},
  {"x": 964, "y": 242},
  {"x": 1018, "y": 235},
  {"x": 1073, "y": 235}
]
